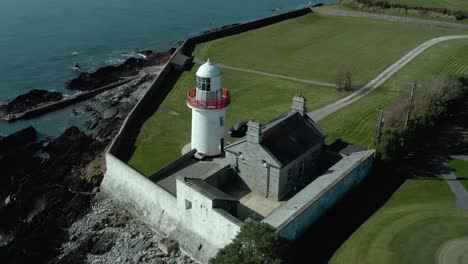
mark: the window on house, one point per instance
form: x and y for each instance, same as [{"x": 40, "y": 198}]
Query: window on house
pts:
[
  {"x": 188, "y": 204},
  {"x": 290, "y": 175},
  {"x": 204, "y": 84}
]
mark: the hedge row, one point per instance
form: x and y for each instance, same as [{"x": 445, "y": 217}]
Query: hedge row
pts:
[
  {"x": 458, "y": 14},
  {"x": 399, "y": 140}
]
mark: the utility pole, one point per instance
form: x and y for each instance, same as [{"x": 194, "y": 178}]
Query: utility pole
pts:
[
  {"x": 410, "y": 105},
  {"x": 379, "y": 131}
]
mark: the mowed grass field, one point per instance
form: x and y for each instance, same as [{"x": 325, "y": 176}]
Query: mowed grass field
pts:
[
  {"x": 419, "y": 220},
  {"x": 319, "y": 47},
  {"x": 356, "y": 123},
  {"x": 252, "y": 97},
  {"x": 449, "y": 4},
  {"x": 410, "y": 228}
]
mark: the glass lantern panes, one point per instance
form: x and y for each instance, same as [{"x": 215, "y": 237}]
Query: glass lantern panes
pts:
[{"x": 203, "y": 83}]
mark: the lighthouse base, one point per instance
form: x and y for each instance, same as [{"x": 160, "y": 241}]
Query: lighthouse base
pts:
[{"x": 186, "y": 148}]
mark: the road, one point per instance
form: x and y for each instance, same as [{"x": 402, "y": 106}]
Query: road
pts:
[{"x": 380, "y": 79}]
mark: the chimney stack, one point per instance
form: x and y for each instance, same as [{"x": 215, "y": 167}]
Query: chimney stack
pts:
[
  {"x": 254, "y": 132},
  {"x": 299, "y": 104}
]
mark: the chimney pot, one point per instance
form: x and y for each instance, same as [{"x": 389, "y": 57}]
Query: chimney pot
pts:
[{"x": 254, "y": 132}]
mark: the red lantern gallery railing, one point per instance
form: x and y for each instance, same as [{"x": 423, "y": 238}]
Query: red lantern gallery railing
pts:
[{"x": 208, "y": 104}]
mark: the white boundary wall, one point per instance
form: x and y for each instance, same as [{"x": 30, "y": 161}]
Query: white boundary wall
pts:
[
  {"x": 151, "y": 202},
  {"x": 298, "y": 214},
  {"x": 201, "y": 232}
]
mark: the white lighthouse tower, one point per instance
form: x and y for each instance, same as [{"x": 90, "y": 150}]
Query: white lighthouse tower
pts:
[{"x": 208, "y": 102}]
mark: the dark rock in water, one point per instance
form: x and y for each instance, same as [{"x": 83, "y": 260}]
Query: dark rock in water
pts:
[
  {"x": 29, "y": 100},
  {"x": 110, "y": 74},
  {"x": 16, "y": 160},
  {"x": 14, "y": 141},
  {"x": 71, "y": 139}
]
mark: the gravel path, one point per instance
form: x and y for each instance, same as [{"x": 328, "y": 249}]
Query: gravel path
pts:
[
  {"x": 405, "y": 20},
  {"x": 461, "y": 157},
  {"x": 454, "y": 184},
  {"x": 380, "y": 79},
  {"x": 279, "y": 76}
]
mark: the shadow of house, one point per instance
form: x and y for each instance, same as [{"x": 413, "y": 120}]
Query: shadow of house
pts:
[{"x": 339, "y": 223}]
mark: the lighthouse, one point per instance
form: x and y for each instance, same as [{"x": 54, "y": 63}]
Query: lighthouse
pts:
[{"x": 208, "y": 102}]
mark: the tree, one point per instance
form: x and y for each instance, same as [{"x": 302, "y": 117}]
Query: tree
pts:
[
  {"x": 344, "y": 81},
  {"x": 255, "y": 243}
]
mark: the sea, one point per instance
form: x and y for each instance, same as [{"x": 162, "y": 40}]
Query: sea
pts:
[{"x": 40, "y": 40}]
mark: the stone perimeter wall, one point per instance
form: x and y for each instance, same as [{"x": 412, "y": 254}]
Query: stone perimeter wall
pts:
[
  {"x": 305, "y": 217},
  {"x": 167, "y": 213}
]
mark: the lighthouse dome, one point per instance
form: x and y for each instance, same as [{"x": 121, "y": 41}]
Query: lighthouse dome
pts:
[{"x": 208, "y": 70}]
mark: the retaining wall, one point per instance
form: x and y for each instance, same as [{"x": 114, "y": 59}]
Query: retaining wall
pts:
[
  {"x": 151, "y": 202},
  {"x": 298, "y": 214},
  {"x": 201, "y": 232},
  {"x": 160, "y": 174},
  {"x": 240, "y": 28}
]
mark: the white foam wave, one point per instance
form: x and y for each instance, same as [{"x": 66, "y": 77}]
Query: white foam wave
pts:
[
  {"x": 114, "y": 61},
  {"x": 134, "y": 55}
]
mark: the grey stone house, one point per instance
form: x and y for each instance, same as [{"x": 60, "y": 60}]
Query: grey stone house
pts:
[{"x": 279, "y": 158}]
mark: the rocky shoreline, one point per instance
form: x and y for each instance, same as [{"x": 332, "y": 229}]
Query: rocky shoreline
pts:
[
  {"x": 48, "y": 205},
  {"x": 87, "y": 81}
]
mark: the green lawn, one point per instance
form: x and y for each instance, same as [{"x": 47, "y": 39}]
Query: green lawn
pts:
[
  {"x": 449, "y": 4},
  {"x": 356, "y": 123},
  {"x": 319, "y": 47},
  {"x": 460, "y": 168},
  {"x": 409, "y": 228},
  {"x": 352, "y": 6},
  {"x": 253, "y": 97}
]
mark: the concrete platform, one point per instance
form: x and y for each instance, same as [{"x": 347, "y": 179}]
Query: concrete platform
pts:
[
  {"x": 252, "y": 205},
  {"x": 194, "y": 169}
]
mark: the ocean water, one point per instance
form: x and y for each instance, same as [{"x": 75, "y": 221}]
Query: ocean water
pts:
[{"x": 41, "y": 40}]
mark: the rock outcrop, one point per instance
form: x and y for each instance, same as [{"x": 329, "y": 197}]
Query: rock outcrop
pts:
[
  {"x": 29, "y": 100},
  {"x": 111, "y": 234},
  {"x": 42, "y": 192},
  {"x": 110, "y": 74}
]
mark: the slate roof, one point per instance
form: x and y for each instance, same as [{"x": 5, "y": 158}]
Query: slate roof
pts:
[{"x": 290, "y": 136}]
